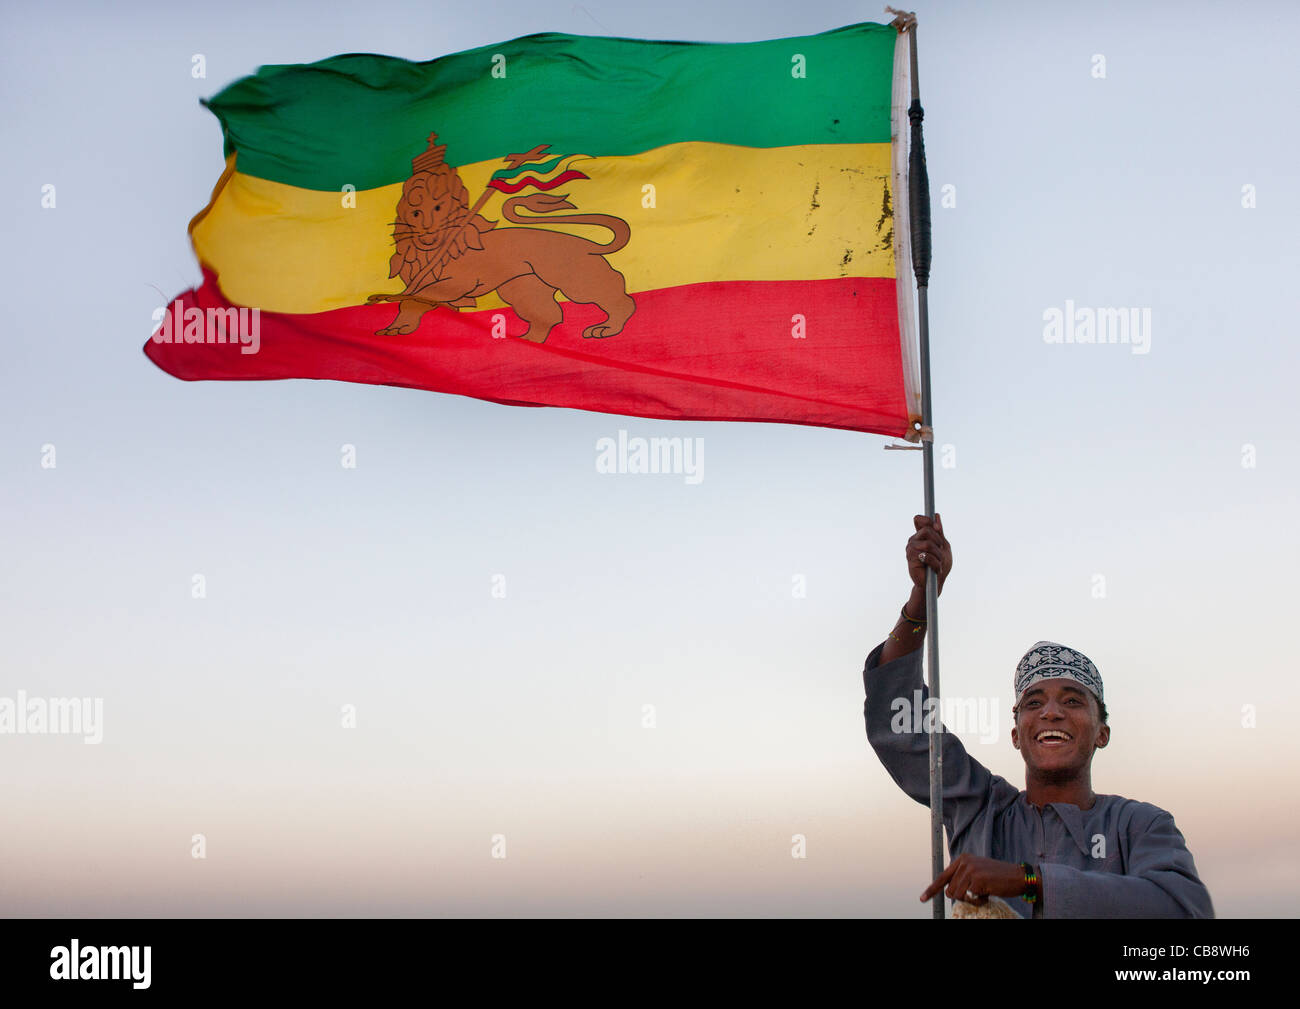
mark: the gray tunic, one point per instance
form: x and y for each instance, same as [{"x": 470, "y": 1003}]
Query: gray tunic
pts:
[{"x": 1120, "y": 859}]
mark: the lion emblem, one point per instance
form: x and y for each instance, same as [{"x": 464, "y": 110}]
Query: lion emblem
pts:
[{"x": 448, "y": 254}]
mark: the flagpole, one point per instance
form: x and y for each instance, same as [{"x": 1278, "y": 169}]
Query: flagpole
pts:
[{"x": 919, "y": 213}]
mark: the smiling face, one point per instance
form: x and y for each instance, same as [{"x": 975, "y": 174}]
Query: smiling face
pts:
[{"x": 1058, "y": 727}]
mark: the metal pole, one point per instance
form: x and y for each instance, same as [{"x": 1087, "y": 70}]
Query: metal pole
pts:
[{"x": 919, "y": 201}]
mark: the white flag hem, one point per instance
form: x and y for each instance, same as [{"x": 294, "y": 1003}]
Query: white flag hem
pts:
[{"x": 902, "y": 97}]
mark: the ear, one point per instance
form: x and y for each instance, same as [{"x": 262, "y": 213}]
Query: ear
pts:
[
  {"x": 1015, "y": 738},
  {"x": 1103, "y": 736}
]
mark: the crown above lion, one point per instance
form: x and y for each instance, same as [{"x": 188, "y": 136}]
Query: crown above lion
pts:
[{"x": 432, "y": 159}]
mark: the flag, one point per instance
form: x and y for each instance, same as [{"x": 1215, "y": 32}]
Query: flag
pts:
[
  {"x": 542, "y": 175},
  {"x": 711, "y": 231}
]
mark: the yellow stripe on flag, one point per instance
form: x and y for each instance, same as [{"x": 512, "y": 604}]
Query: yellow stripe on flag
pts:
[{"x": 719, "y": 213}]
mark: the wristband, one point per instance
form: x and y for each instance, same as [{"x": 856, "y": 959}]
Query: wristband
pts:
[
  {"x": 916, "y": 624},
  {"x": 1032, "y": 884}
]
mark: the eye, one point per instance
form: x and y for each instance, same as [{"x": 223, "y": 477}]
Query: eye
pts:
[{"x": 438, "y": 207}]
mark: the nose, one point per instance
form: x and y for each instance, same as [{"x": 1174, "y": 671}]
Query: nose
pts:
[{"x": 1052, "y": 710}]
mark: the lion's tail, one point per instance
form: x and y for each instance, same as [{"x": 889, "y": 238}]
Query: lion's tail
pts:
[{"x": 545, "y": 203}]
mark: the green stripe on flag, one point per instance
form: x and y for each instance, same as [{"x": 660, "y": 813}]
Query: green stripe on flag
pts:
[{"x": 360, "y": 119}]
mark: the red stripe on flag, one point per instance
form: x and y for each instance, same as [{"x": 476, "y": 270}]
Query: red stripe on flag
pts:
[{"x": 719, "y": 351}]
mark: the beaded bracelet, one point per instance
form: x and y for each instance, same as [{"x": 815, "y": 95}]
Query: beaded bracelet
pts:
[
  {"x": 1031, "y": 882},
  {"x": 917, "y": 624}
]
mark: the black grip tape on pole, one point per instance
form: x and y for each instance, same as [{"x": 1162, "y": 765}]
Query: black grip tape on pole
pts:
[{"x": 919, "y": 197}]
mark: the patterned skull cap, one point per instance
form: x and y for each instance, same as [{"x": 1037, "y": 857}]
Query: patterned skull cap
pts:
[{"x": 1048, "y": 660}]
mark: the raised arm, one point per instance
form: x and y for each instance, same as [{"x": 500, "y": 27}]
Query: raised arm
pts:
[
  {"x": 897, "y": 730},
  {"x": 926, "y": 549},
  {"x": 897, "y": 700}
]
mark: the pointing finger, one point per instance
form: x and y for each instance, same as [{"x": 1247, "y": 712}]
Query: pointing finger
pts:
[{"x": 939, "y": 882}]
